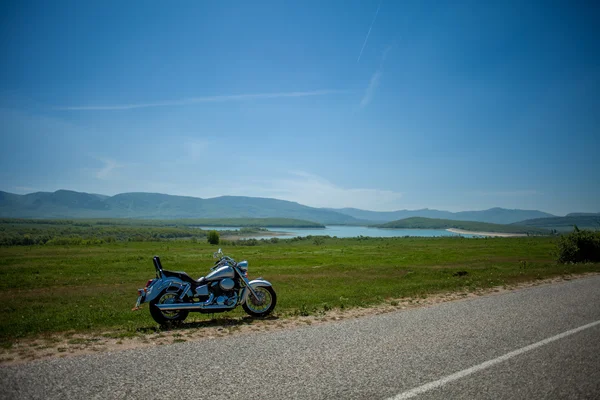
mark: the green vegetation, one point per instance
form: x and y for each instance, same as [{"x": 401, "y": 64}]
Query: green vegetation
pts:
[
  {"x": 64, "y": 232},
  {"x": 251, "y": 222},
  {"x": 85, "y": 232},
  {"x": 55, "y": 288},
  {"x": 186, "y": 222},
  {"x": 579, "y": 246},
  {"x": 435, "y": 223},
  {"x": 213, "y": 237}
]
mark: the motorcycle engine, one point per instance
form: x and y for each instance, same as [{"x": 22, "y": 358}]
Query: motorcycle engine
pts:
[
  {"x": 223, "y": 290},
  {"x": 226, "y": 284}
]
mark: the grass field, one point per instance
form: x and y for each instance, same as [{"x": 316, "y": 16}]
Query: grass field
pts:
[{"x": 46, "y": 289}]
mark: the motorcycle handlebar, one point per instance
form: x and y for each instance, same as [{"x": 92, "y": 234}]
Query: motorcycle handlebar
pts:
[{"x": 223, "y": 259}]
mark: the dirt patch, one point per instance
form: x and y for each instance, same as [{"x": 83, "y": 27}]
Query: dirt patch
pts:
[
  {"x": 67, "y": 344},
  {"x": 244, "y": 236}
]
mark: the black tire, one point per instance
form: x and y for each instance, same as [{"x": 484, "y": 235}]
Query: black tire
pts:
[
  {"x": 166, "y": 317},
  {"x": 264, "y": 306}
]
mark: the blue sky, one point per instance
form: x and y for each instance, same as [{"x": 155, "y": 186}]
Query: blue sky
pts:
[{"x": 379, "y": 105}]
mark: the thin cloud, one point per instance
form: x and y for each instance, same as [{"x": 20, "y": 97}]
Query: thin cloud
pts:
[
  {"x": 315, "y": 191},
  {"x": 205, "y": 99},
  {"x": 373, "y": 84},
  {"x": 196, "y": 148},
  {"x": 296, "y": 186},
  {"x": 510, "y": 193},
  {"x": 368, "y": 33},
  {"x": 106, "y": 171},
  {"x": 24, "y": 189},
  {"x": 375, "y": 80}
]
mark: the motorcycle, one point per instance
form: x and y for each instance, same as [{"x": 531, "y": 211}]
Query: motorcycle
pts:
[{"x": 173, "y": 294}]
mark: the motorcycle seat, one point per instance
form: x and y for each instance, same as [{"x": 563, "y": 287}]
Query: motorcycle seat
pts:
[{"x": 181, "y": 275}]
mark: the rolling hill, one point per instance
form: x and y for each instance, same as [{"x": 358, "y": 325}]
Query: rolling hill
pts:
[
  {"x": 70, "y": 204},
  {"x": 566, "y": 223}
]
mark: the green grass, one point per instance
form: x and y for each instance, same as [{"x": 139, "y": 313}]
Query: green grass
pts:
[
  {"x": 437, "y": 223},
  {"x": 45, "y": 289}
]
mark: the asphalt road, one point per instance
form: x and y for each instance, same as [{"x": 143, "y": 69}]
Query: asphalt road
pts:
[{"x": 536, "y": 343}]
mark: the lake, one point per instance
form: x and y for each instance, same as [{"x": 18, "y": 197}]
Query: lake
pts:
[{"x": 348, "y": 231}]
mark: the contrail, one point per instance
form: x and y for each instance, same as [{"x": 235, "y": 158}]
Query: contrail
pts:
[
  {"x": 206, "y": 99},
  {"x": 368, "y": 33}
]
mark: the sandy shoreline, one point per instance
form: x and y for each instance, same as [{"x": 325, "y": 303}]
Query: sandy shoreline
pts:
[
  {"x": 453, "y": 230},
  {"x": 493, "y": 234},
  {"x": 253, "y": 235}
]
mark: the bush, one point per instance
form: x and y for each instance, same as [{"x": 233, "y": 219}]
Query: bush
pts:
[
  {"x": 65, "y": 241},
  {"x": 579, "y": 246},
  {"x": 213, "y": 237}
]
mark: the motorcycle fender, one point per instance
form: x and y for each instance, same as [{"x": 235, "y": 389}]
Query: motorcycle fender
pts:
[
  {"x": 254, "y": 283},
  {"x": 153, "y": 291}
]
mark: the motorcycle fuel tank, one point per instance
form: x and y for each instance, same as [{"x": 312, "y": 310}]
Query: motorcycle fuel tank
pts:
[{"x": 220, "y": 273}]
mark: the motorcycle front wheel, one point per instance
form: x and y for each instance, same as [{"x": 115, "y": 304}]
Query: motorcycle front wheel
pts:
[
  {"x": 165, "y": 317},
  {"x": 263, "y": 305}
]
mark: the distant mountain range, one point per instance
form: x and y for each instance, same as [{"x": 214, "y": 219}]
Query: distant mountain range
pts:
[
  {"x": 493, "y": 215},
  {"x": 71, "y": 204}
]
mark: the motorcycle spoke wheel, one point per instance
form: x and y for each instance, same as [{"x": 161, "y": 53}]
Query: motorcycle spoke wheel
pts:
[
  {"x": 262, "y": 304},
  {"x": 164, "y": 316},
  {"x": 169, "y": 298}
]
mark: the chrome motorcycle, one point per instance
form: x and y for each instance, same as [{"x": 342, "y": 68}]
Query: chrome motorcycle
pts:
[{"x": 173, "y": 294}]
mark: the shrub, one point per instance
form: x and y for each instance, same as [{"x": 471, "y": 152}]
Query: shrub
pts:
[
  {"x": 65, "y": 241},
  {"x": 213, "y": 237},
  {"x": 579, "y": 246},
  {"x": 304, "y": 311}
]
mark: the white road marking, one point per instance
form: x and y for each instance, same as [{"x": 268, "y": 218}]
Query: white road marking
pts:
[{"x": 465, "y": 372}]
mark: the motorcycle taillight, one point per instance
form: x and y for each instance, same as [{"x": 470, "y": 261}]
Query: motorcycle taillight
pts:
[{"x": 149, "y": 282}]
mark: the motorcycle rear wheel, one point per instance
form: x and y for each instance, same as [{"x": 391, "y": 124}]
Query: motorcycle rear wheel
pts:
[
  {"x": 166, "y": 317},
  {"x": 264, "y": 305}
]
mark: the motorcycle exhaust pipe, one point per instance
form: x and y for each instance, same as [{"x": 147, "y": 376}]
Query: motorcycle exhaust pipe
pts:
[
  {"x": 191, "y": 306},
  {"x": 185, "y": 306}
]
